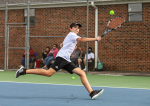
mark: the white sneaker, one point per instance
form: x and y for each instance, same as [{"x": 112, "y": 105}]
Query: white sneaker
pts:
[
  {"x": 80, "y": 67},
  {"x": 84, "y": 69}
]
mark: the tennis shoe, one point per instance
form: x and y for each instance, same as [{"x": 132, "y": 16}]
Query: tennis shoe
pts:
[
  {"x": 21, "y": 71},
  {"x": 45, "y": 68},
  {"x": 84, "y": 69},
  {"x": 96, "y": 93}
]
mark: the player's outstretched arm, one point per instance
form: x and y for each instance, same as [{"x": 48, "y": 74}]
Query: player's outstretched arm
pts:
[{"x": 88, "y": 39}]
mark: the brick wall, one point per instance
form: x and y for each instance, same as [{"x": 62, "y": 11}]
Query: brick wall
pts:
[
  {"x": 125, "y": 49},
  {"x": 128, "y": 47}
]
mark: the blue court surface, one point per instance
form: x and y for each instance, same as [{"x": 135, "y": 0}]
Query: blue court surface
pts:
[{"x": 31, "y": 94}]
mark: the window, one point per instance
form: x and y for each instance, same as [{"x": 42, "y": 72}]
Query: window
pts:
[
  {"x": 32, "y": 16},
  {"x": 135, "y": 12}
]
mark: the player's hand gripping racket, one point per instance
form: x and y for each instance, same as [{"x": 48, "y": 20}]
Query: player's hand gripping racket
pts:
[{"x": 113, "y": 24}]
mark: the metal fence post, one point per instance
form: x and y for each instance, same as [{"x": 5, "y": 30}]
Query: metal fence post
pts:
[
  {"x": 28, "y": 33},
  {"x": 5, "y": 36},
  {"x": 87, "y": 37},
  {"x": 7, "y": 47}
]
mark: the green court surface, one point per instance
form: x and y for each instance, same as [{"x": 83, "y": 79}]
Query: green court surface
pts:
[{"x": 66, "y": 79}]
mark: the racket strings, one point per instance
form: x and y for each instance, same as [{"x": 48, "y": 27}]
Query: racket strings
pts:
[{"x": 116, "y": 22}]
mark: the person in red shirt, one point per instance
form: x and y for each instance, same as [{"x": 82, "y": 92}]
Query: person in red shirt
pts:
[
  {"x": 38, "y": 62},
  {"x": 31, "y": 56}
]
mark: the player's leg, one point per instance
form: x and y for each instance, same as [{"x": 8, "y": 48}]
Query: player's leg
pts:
[
  {"x": 57, "y": 65},
  {"x": 93, "y": 93},
  {"x": 23, "y": 71},
  {"x": 44, "y": 72},
  {"x": 83, "y": 78}
]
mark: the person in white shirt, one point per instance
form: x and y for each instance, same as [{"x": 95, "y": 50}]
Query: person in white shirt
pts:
[
  {"x": 90, "y": 58},
  {"x": 63, "y": 61}
]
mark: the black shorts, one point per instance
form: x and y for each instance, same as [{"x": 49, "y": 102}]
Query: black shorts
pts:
[{"x": 61, "y": 63}]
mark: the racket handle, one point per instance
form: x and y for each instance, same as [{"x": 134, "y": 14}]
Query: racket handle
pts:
[{"x": 102, "y": 35}]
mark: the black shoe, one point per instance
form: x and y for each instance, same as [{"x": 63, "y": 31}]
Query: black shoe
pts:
[
  {"x": 21, "y": 71},
  {"x": 96, "y": 93}
]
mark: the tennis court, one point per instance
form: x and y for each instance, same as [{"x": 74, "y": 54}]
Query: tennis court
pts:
[
  {"x": 60, "y": 89},
  {"x": 39, "y": 24}
]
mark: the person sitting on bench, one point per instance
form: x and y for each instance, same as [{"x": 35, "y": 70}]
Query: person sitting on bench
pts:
[
  {"x": 90, "y": 58},
  {"x": 51, "y": 55},
  {"x": 31, "y": 56},
  {"x": 75, "y": 55}
]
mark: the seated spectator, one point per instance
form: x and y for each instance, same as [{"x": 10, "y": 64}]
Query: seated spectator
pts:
[
  {"x": 38, "y": 63},
  {"x": 90, "y": 58},
  {"x": 51, "y": 55},
  {"x": 45, "y": 53},
  {"x": 75, "y": 55},
  {"x": 31, "y": 56}
]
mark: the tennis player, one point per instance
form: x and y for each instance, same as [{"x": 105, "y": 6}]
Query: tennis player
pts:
[{"x": 63, "y": 61}]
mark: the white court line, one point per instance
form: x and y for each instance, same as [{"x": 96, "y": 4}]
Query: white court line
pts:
[
  {"x": 110, "y": 74},
  {"x": 73, "y": 85}
]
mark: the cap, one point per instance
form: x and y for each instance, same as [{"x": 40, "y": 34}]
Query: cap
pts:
[
  {"x": 74, "y": 24},
  {"x": 90, "y": 48}
]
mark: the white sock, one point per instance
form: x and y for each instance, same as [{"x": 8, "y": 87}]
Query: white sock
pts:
[
  {"x": 85, "y": 67},
  {"x": 80, "y": 66}
]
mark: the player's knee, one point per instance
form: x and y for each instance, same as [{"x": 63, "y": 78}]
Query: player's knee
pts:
[
  {"x": 49, "y": 74},
  {"x": 82, "y": 73}
]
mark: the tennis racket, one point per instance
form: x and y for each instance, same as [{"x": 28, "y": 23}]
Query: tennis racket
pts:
[{"x": 114, "y": 23}]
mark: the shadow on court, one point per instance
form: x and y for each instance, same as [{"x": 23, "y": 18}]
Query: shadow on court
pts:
[{"x": 29, "y": 94}]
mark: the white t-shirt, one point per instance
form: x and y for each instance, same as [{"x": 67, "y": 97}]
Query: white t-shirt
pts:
[
  {"x": 69, "y": 44},
  {"x": 91, "y": 55}
]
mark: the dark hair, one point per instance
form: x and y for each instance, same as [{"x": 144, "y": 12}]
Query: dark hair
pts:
[
  {"x": 90, "y": 48},
  {"x": 48, "y": 47},
  {"x": 56, "y": 45}
]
